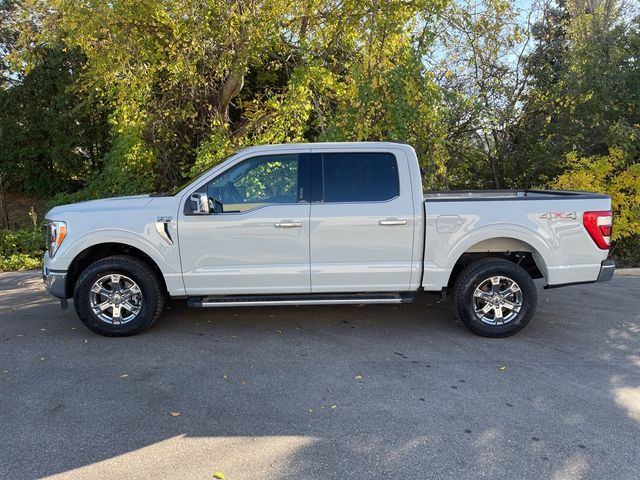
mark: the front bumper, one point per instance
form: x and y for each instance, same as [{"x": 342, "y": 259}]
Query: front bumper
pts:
[
  {"x": 606, "y": 271},
  {"x": 55, "y": 282}
]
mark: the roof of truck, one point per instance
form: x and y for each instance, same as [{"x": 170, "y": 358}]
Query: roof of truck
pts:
[{"x": 327, "y": 145}]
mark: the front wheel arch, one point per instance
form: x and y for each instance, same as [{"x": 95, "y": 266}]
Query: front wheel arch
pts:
[{"x": 103, "y": 250}]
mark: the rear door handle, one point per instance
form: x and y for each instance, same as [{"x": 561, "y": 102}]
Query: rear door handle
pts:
[
  {"x": 287, "y": 224},
  {"x": 392, "y": 222}
]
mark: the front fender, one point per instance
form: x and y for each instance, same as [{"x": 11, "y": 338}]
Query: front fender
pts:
[{"x": 165, "y": 256}]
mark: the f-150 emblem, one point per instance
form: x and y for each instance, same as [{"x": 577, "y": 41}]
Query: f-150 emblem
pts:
[{"x": 559, "y": 215}]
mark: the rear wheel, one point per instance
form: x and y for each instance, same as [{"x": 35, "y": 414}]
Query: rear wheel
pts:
[
  {"x": 118, "y": 296},
  {"x": 495, "y": 297}
]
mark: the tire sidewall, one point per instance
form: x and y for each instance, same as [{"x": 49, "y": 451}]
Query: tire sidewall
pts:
[
  {"x": 473, "y": 276},
  {"x": 143, "y": 278}
]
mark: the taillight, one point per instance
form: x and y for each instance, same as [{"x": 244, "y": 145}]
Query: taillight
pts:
[{"x": 598, "y": 224}]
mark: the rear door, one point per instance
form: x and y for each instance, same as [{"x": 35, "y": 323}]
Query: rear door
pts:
[{"x": 362, "y": 221}]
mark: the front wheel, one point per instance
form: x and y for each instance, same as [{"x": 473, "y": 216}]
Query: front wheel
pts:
[
  {"x": 495, "y": 297},
  {"x": 118, "y": 296}
]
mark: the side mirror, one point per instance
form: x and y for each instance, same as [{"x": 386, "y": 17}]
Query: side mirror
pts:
[{"x": 199, "y": 203}]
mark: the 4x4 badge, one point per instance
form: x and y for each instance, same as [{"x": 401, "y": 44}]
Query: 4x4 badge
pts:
[{"x": 559, "y": 215}]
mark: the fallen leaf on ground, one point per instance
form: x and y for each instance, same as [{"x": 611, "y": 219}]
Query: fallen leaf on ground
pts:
[
  {"x": 358, "y": 377},
  {"x": 333, "y": 407},
  {"x": 225, "y": 376},
  {"x": 174, "y": 414},
  {"x": 124, "y": 375},
  {"x": 219, "y": 475},
  {"x": 502, "y": 368},
  {"x": 42, "y": 358}
]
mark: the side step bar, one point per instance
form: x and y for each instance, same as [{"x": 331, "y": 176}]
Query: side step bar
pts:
[{"x": 301, "y": 299}]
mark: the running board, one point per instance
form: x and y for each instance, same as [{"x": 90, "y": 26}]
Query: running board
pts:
[{"x": 303, "y": 299}]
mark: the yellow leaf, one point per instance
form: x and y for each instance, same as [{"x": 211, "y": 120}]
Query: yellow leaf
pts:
[
  {"x": 219, "y": 475},
  {"x": 225, "y": 376},
  {"x": 333, "y": 407},
  {"x": 174, "y": 414},
  {"x": 124, "y": 375}
]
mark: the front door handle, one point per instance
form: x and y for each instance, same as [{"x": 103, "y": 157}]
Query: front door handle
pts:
[
  {"x": 287, "y": 224},
  {"x": 392, "y": 222}
]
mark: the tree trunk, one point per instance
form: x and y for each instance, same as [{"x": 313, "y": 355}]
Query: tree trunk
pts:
[{"x": 4, "y": 214}]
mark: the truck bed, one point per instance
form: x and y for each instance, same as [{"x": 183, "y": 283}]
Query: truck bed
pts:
[{"x": 471, "y": 195}]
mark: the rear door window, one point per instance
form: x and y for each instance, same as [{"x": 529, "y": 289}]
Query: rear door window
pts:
[{"x": 359, "y": 177}]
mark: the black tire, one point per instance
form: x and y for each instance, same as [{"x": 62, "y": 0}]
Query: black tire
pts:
[
  {"x": 476, "y": 275},
  {"x": 151, "y": 292}
]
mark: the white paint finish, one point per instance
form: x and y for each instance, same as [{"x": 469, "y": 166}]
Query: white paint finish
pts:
[
  {"x": 564, "y": 250},
  {"x": 244, "y": 253},
  {"x": 448, "y": 223},
  {"x": 343, "y": 247},
  {"x": 128, "y": 221},
  {"x": 367, "y": 246}
]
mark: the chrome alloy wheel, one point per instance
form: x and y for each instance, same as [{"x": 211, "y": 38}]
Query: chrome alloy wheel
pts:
[
  {"x": 497, "y": 300},
  {"x": 115, "y": 299}
]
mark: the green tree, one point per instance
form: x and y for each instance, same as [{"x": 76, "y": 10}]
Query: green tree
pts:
[
  {"x": 584, "y": 96},
  {"x": 51, "y": 138},
  {"x": 189, "y": 82}
]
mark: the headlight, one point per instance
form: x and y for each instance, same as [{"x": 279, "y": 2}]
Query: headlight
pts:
[{"x": 56, "y": 233}]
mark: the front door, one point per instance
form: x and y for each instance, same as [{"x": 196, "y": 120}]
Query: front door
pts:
[{"x": 257, "y": 242}]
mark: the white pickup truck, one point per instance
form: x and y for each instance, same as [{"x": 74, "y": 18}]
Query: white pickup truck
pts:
[{"x": 323, "y": 223}]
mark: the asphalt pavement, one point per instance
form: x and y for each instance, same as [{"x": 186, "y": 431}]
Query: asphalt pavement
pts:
[{"x": 349, "y": 392}]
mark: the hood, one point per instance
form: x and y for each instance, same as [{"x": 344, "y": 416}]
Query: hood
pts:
[{"x": 111, "y": 204}]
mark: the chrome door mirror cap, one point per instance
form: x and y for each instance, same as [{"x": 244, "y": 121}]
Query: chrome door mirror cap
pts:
[{"x": 200, "y": 203}]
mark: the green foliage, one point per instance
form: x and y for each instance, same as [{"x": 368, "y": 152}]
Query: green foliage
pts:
[
  {"x": 21, "y": 249},
  {"x": 124, "y": 97},
  {"x": 614, "y": 174},
  {"x": 585, "y": 92},
  {"x": 51, "y": 138}
]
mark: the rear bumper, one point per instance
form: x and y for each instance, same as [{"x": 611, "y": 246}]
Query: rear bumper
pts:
[
  {"x": 607, "y": 267},
  {"x": 606, "y": 271}
]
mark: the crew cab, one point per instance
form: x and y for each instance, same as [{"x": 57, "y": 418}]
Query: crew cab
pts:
[{"x": 323, "y": 223}]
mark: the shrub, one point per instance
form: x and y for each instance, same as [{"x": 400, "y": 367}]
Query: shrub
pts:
[{"x": 21, "y": 249}]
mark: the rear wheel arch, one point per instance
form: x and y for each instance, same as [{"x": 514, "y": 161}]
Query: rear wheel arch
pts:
[{"x": 507, "y": 248}]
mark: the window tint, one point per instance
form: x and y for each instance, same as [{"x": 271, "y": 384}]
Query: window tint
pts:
[
  {"x": 360, "y": 177},
  {"x": 256, "y": 182}
]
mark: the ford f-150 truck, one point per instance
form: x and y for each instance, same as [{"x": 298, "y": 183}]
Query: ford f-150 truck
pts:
[{"x": 323, "y": 223}]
